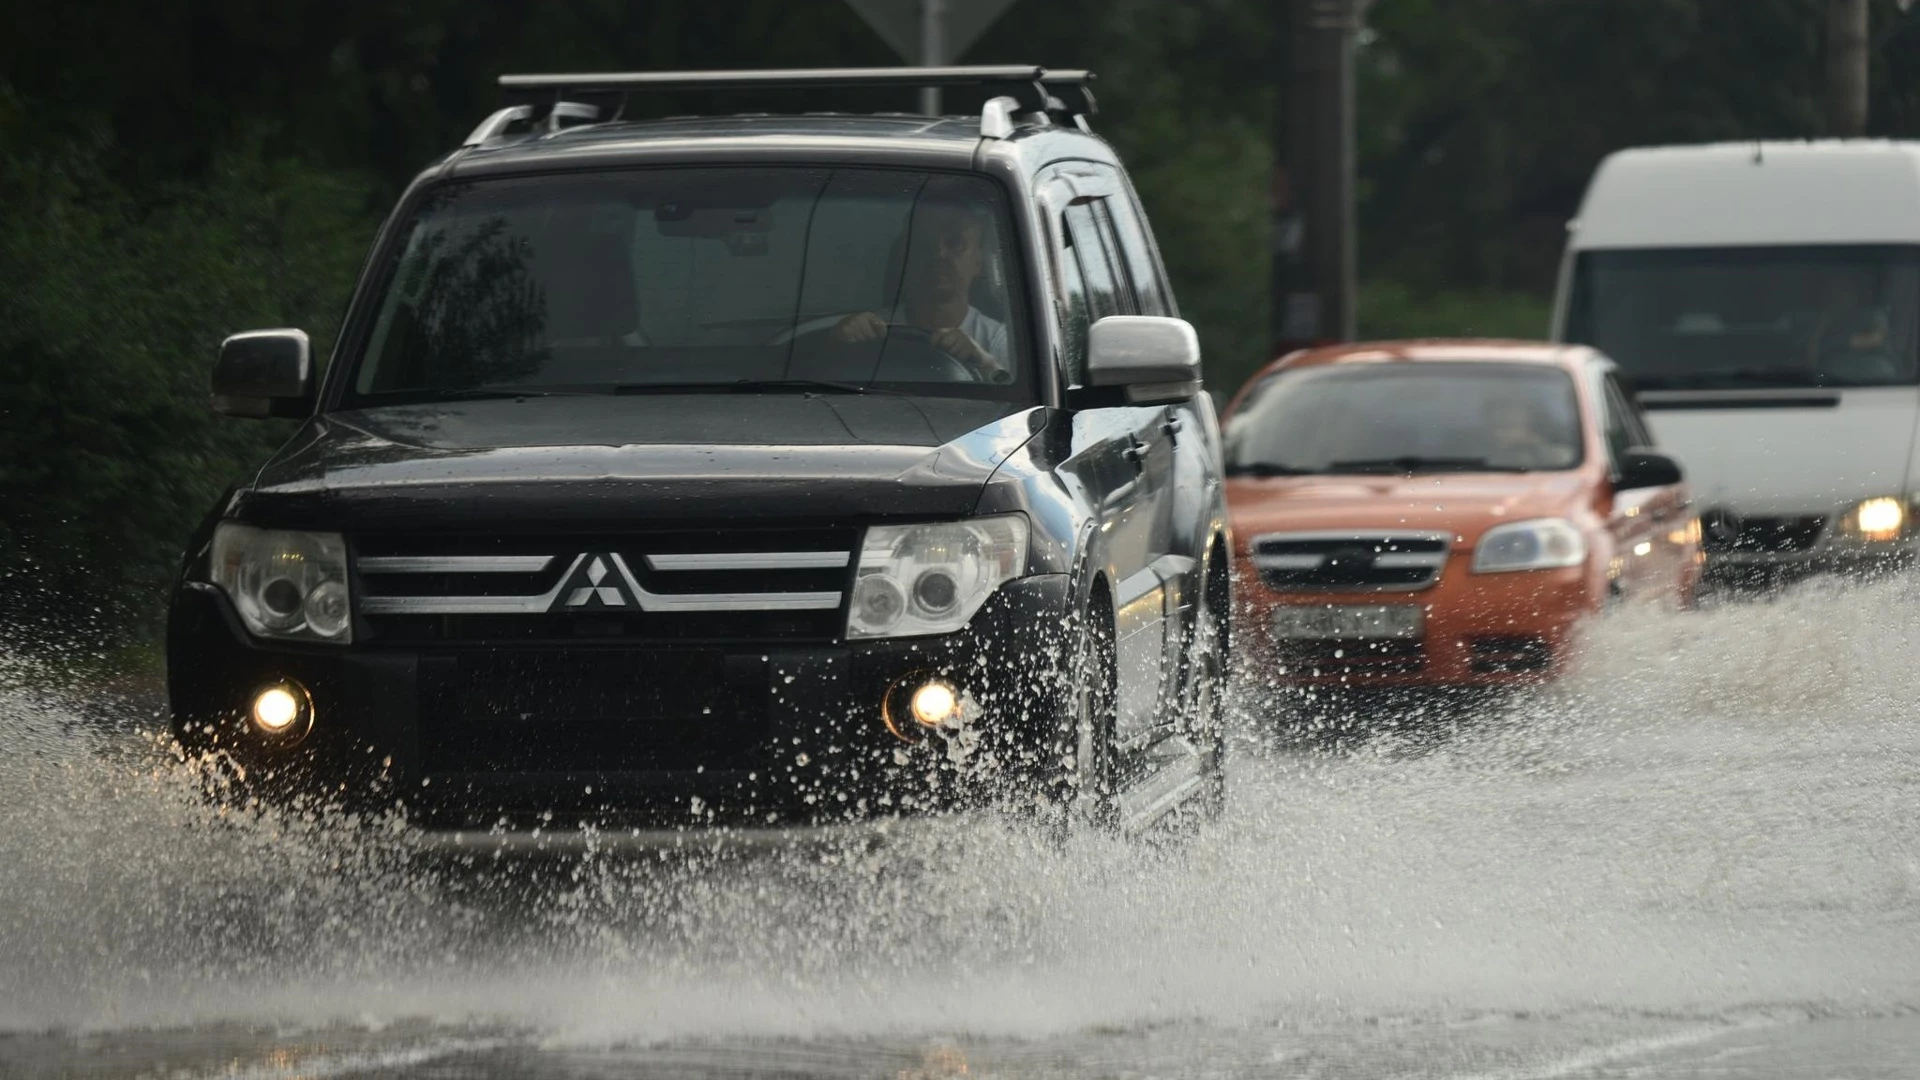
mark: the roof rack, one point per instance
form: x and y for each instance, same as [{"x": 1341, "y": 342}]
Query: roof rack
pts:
[{"x": 1031, "y": 91}]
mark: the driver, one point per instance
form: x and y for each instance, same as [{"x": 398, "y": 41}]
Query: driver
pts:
[
  {"x": 1521, "y": 433},
  {"x": 944, "y": 256}
]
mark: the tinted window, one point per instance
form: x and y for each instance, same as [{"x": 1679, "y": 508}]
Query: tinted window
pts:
[
  {"x": 1074, "y": 306},
  {"x": 1620, "y": 433},
  {"x": 1408, "y": 417},
  {"x": 1086, "y": 236},
  {"x": 1137, "y": 252},
  {"x": 1751, "y": 317},
  {"x": 697, "y": 276}
]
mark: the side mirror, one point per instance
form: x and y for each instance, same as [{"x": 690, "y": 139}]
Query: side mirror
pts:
[
  {"x": 264, "y": 373},
  {"x": 1643, "y": 468},
  {"x": 1151, "y": 358}
]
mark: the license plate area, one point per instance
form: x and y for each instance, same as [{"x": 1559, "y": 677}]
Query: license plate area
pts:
[
  {"x": 1349, "y": 622},
  {"x": 587, "y": 710}
]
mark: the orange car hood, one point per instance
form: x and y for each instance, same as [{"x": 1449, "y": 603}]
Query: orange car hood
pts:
[{"x": 1463, "y": 504}]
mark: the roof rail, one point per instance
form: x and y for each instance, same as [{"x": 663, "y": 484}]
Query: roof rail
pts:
[
  {"x": 1031, "y": 89},
  {"x": 555, "y": 114}
]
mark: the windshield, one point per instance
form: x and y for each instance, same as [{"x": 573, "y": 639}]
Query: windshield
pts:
[
  {"x": 663, "y": 279},
  {"x": 1424, "y": 417},
  {"x": 1754, "y": 317}
]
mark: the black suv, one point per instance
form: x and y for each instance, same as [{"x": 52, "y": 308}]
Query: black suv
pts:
[{"x": 742, "y": 470}]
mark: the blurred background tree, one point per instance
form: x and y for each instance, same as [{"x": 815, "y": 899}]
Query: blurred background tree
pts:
[{"x": 170, "y": 173}]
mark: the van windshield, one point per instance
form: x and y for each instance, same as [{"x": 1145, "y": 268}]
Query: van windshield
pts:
[
  {"x": 1431, "y": 416},
  {"x": 674, "y": 279},
  {"x": 1727, "y": 318}
]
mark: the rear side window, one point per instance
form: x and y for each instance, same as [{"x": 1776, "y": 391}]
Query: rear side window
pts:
[
  {"x": 1149, "y": 288},
  {"x": 1086, "y": 235}
]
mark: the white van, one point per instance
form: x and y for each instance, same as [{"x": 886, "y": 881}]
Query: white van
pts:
[{"x": 1763, "y": 299}]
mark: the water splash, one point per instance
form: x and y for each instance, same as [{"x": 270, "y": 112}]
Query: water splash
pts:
[{"x": 1713, "y": 814}]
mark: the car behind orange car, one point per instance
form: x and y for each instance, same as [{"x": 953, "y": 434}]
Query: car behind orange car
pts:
[{"x": 1444, "y": 513}]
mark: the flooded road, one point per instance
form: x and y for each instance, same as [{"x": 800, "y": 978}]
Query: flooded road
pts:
[{"x": 1698, "y": 857}]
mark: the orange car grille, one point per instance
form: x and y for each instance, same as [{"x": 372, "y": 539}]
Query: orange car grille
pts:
[{"x": 1309, "y": 659}]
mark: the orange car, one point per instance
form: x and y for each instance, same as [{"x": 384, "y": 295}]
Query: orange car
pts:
[{"x": 1444, "y": 513}]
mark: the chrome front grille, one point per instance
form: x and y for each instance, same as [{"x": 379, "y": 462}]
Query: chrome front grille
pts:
[
  {"x": 1355, "y": 561},
  {"x": 668, "y": 585}
]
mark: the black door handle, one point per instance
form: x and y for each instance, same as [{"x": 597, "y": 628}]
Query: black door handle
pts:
[
  {"x": 1172, "y": 426},
  {"x": 1136, "y": 452}
]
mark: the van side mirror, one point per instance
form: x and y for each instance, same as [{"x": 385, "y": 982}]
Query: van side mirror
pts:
[
  {"x": 1152, "y": 359},
  {"x": 1644, "y": 468},
  {"x": 264, "y": 373}
]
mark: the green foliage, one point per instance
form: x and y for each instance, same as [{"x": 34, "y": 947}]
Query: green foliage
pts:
[
  {"x": 116, "y": 301},
  {"x": 1389, "y": 309}
]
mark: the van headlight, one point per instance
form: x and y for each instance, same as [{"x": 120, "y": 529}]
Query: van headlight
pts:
[
  {"x": 1543, "y": 544},
  {"x": 930, "y": 579},
  {"x": 1877, "y": 520},
  {"x": 290, "y": 585}
]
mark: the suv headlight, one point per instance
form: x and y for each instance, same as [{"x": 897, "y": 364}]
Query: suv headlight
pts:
[
  {"x": 1529, "y": 545},
  {"x": 290, "y": 585},
  {"x": 930, "y": 579},
  {"x": 1876, "y": 521}
]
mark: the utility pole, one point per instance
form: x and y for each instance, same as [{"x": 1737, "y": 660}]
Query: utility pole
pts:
[
  {"x": 1847, "y": 67},
  {"x": 933, "y": 49},
  {"x": 1312, "y": 194}
]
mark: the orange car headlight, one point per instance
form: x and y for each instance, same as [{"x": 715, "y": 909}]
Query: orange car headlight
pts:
[{"x": 1542, "y": 544}]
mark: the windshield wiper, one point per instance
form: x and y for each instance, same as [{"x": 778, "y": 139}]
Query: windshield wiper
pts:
[
  {"x": 1412, "y": 463},
  {"x": 1267, "y": 468}
]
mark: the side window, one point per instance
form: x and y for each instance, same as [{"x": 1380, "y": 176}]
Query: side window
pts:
[
  {"x": 1623, "y": 428},
  {"x": 1074, "y": 305},
  {"x": 1136, "y": 247},
  {"x": 1085, "y": 233}
]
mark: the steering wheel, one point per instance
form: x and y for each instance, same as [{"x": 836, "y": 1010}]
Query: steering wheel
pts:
[
  {"x": 919, "y": 343},
  {"x": 910, "y": 354}
]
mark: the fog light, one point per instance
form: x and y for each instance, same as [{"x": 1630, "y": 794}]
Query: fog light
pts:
[
  {"x": 935, "y": 703},
  {"x": 283, "y": 710},
  {"x": 920, "y": 702}
]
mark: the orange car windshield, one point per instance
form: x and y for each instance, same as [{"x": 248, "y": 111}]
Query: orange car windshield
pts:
[{"x": 1406, "y": 418}]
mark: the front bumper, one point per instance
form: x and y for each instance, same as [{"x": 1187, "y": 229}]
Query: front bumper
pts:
[
  {"x": 629, "y": 735},
  {"x": 1479, "y": 630}
]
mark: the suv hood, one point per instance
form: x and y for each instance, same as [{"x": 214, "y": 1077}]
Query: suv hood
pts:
[
  {"x": 588, "y": 460},
  {"x": 1461, "y": 504}
]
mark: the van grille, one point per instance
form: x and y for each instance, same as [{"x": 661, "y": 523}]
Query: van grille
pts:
[
  {"x": 677, "y": 586},
  {"x": 1356, "y": 561}
]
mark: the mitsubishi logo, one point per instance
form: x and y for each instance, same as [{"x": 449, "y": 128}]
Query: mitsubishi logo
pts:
[{"x": 593, "y": 585}]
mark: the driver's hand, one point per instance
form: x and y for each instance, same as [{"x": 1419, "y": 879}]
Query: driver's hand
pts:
[
  {"x": 862, "y": 326},
  {"x": 955, "y": 343}
]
